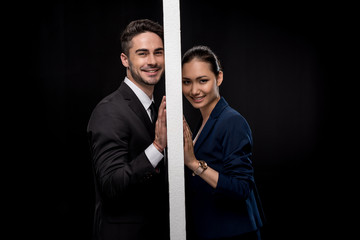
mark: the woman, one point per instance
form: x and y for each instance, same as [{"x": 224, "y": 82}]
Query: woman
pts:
[{"x": 221, "y": 197}]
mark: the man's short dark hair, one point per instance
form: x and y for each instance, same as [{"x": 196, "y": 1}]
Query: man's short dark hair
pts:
[{"x": 136, "y": 27}]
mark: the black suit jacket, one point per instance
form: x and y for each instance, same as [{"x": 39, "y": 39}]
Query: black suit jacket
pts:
[{"x": 131, "y": 196}]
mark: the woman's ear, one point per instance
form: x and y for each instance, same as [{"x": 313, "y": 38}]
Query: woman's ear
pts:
[
  {"x": 219, "y": 78},
  {"x": 124, "y": 60}
]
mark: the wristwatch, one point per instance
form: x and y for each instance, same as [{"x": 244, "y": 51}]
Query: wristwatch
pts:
[{"x": 202, "y": 167}]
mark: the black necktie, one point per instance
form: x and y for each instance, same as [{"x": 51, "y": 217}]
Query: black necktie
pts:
[{"x": 153, "y": 112}]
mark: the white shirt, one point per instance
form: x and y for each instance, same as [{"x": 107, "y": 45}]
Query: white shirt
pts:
[{"x": 151, "y": 152}]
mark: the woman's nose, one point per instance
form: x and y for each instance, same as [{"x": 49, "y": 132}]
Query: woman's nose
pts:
[{"x": 194, "y": 89}]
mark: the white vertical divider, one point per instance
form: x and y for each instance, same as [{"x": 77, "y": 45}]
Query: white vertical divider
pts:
[{"x": 174, "y": 115}]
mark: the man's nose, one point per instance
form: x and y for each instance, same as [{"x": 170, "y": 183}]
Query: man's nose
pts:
[{"x": 151, "y": 59}]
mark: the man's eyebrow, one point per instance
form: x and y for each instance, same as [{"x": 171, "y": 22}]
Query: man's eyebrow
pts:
[
  {"x": 147, "y": 50},
  {"x": 141, "y": 50}
]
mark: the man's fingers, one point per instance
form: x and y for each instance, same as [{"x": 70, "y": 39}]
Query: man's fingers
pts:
[{"x": 162, "y": 108}]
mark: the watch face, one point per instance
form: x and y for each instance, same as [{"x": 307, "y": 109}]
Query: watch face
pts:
[
  {"x": 202, "y": 167},
  {"x": 203, "y": 164}
]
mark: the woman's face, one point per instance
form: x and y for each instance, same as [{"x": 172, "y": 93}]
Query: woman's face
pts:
[{"x": 200, "y": 85}]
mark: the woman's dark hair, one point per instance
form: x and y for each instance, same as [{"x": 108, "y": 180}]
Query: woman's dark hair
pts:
[
  {"x": 204, "y": 54},
  {"x": 136, "y": 27}
]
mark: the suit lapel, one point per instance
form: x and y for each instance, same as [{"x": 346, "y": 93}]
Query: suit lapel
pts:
[
  {"x": 209, "y": 125},
  {"x": 137, "y": 107},
  {"x": 204, "y": 133}
]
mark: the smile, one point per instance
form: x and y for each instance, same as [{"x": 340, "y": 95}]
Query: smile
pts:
[
  {"x": 151, "y": 70},
  {"x": 198, "y": 99}
]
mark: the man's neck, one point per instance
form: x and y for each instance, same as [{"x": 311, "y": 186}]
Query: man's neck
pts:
[{"x": 147, "y": 89}]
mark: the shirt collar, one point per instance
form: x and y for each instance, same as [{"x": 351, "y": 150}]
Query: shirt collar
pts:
[{"x": 144, "y": 99}]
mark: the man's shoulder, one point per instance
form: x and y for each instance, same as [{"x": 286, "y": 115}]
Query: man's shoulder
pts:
[
  {"x": 115, "y": 98},
  {"x": 108, "y": 111},
  {"x": 112, "y": 102}
]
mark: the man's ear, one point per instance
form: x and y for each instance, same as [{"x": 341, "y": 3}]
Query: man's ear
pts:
[
  {"x": 219, "y": 78},
  {"x": 124, "y": 60}
]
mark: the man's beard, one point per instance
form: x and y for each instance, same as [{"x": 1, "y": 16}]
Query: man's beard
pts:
[{"x": 139, "y": 79}]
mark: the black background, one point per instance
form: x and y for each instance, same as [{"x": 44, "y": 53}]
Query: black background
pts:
[{"x": 281, "y": 64}]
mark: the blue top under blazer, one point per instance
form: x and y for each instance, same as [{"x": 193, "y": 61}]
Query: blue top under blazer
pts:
[{"x": 233, "y": 208}]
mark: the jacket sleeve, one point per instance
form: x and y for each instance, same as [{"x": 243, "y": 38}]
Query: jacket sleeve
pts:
[
  {"x": 236, "y": 178},
  {"x": 115, "y": 172}
]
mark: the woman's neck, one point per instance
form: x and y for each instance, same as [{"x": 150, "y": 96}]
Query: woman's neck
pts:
[{"x": 206, "y": 111}]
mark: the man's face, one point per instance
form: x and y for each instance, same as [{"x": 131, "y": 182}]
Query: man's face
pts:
[{"x": 145, "y": 60}]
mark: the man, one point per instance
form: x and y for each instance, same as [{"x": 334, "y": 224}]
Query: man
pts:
[{"x": 127, "y": 145}]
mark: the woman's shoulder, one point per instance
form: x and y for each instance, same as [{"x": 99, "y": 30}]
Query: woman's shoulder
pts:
[
  {"x": 233, "y": 122},
  {"x": 231, "y": 115},
  {"x": 232, "y": 125},
  {"x": 226, "y": 112}
]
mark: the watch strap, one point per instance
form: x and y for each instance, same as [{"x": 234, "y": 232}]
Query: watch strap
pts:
[{"x": 202, "y": 167}]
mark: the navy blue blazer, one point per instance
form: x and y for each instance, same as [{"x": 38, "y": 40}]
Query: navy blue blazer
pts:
[{"x": 233, "y": 208}]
